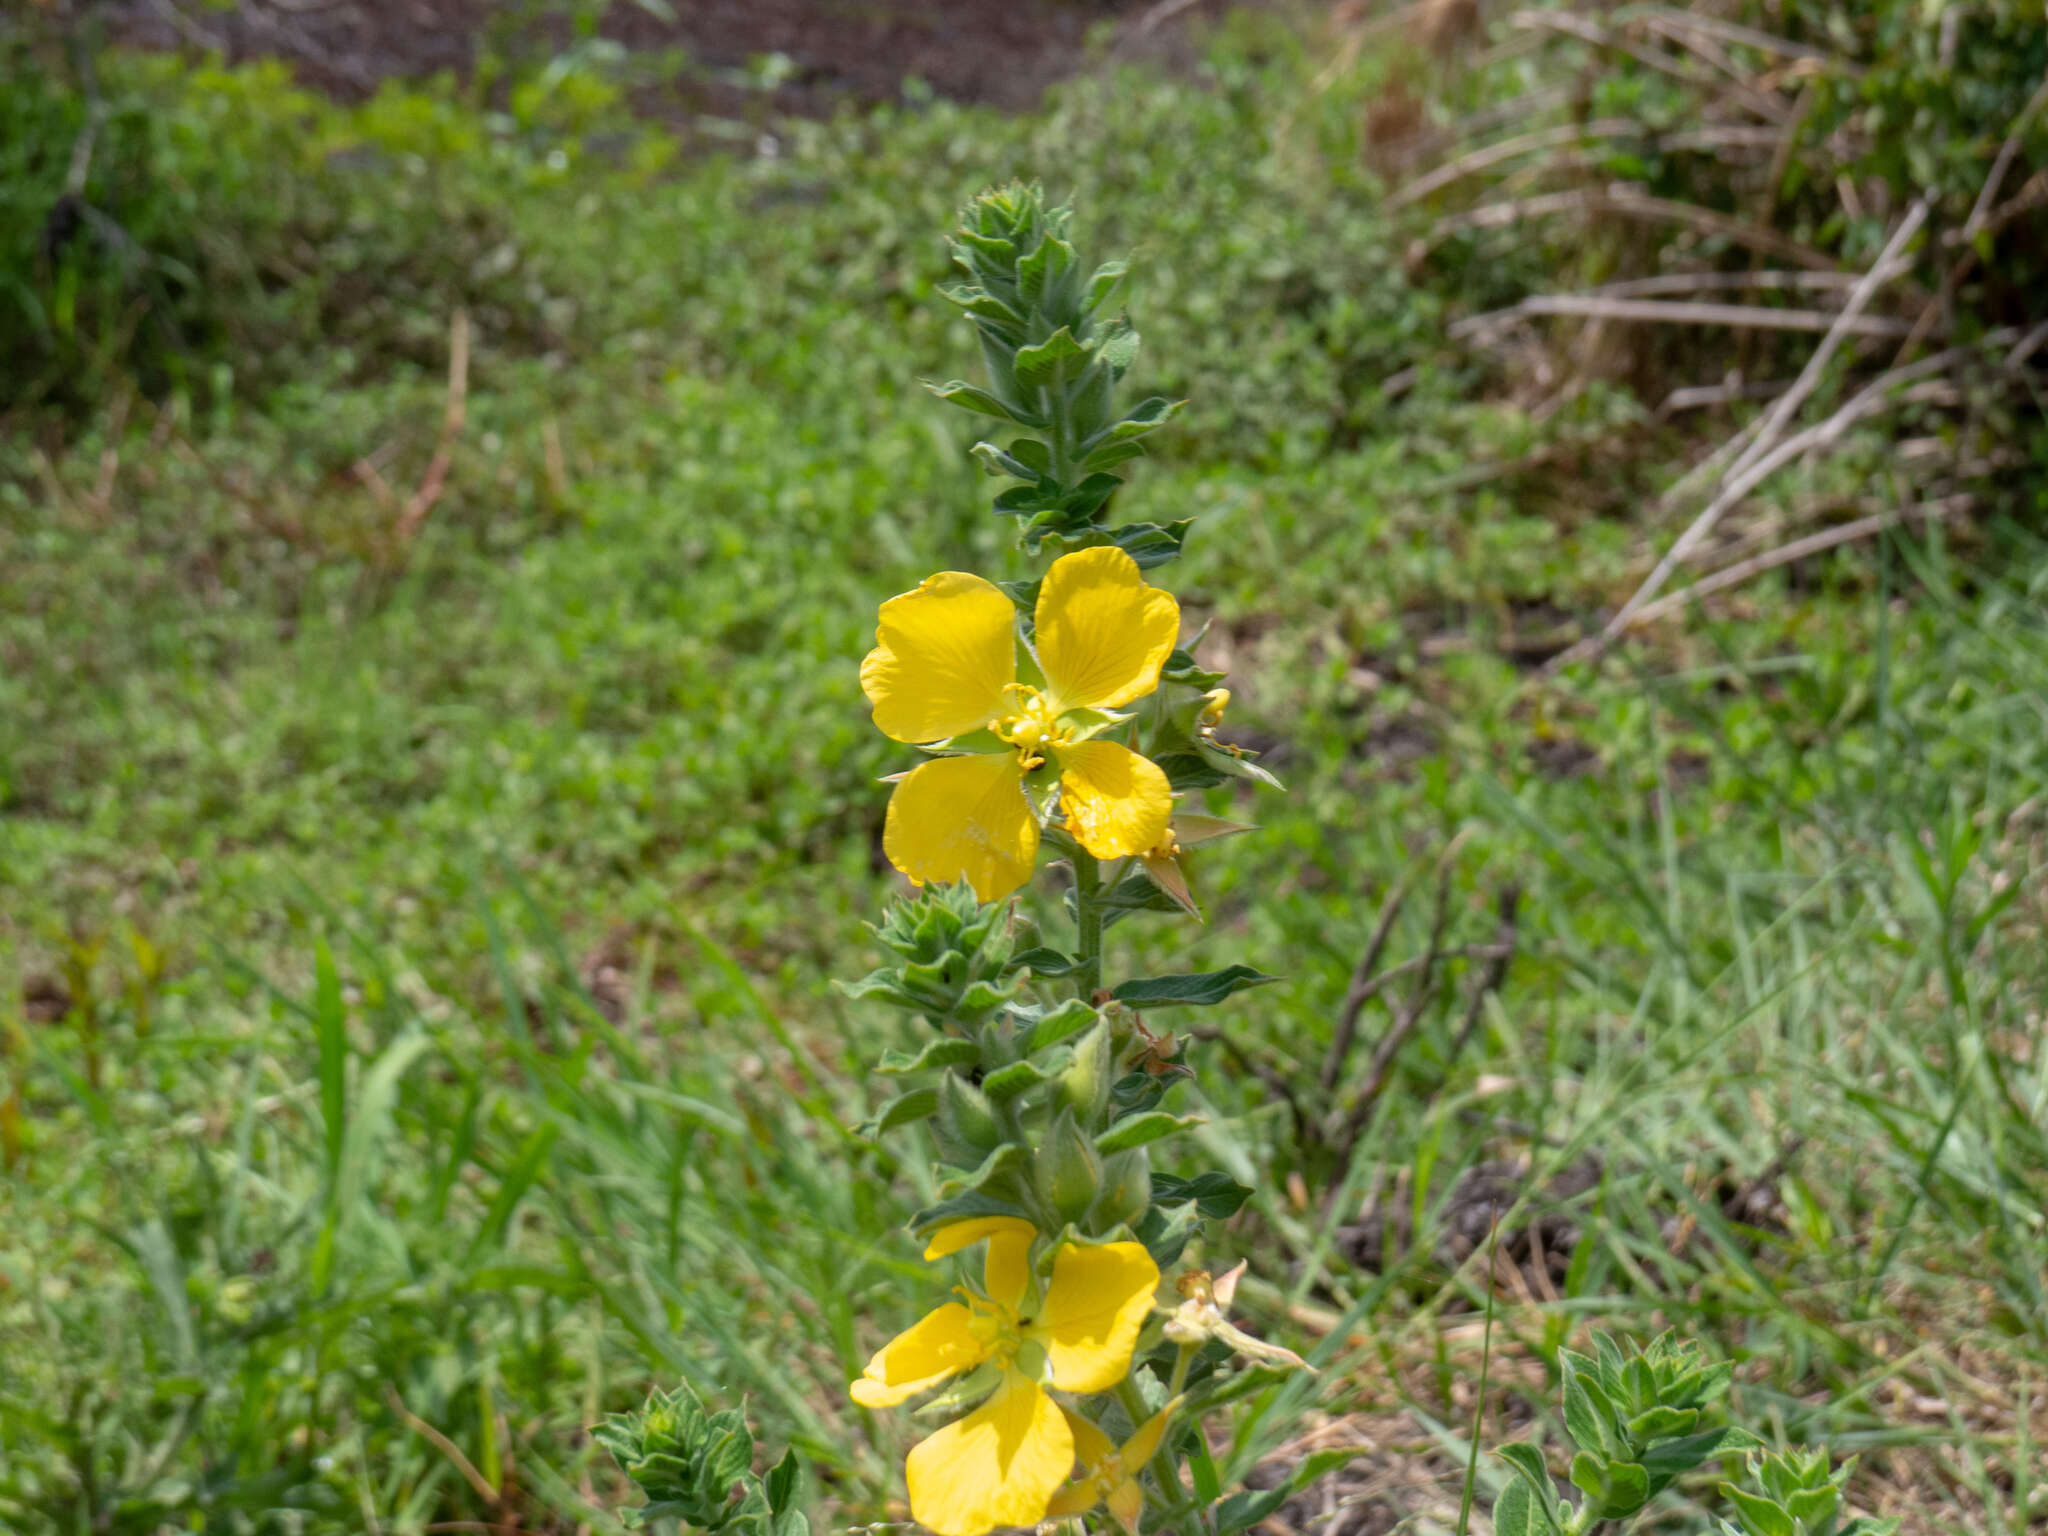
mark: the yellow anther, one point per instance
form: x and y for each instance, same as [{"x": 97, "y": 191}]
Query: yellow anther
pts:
[
  {"x": 1214, "y": 702},
  {"x": 1032, "y": 726}
]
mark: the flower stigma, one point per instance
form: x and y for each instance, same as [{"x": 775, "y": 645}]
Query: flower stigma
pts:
[{"x": 1032, "y": 728}]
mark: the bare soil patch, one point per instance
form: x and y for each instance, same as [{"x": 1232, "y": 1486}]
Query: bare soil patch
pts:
[{"x": 1000, "y": 52}]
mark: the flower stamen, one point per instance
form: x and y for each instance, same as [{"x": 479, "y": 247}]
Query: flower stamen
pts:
[{"x": 1033, "y": 727}]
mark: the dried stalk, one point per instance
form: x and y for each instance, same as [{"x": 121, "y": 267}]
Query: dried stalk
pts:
[
  {"x": 1490, "y": 155},
  {"x": 1765, "y": 452},
  {"x": 1362, "y": 987},
  {"x": 1666, "y": 312},
  {"x": 436, "y": 477},
  {"x": 1634, "y": 205},
  {"x": 1786, "y": 554}
]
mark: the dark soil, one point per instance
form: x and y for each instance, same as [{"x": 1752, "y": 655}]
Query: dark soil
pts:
[{"x": 1001, "y": 52}]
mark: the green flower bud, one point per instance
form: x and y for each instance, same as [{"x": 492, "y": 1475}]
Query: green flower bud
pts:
[
  {"x": 1126, "y": 1190},
  {"x": 965, "y": 1115},
  {"x": 1069, "y": 1169},
  {"x": 1084, "y": 1086}
]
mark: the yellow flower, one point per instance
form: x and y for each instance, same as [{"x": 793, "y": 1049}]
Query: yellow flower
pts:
[
  {"x": 1001, "y": 1464},
  {"x": 945, "y": 666},
  {"x": 1109, "y": 1475}
]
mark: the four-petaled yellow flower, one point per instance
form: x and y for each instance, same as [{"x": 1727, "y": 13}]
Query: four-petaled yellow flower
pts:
[
  {"x": 945, "y": 666},
  {"x": 1109, "y": 1475},
  {"x": 1002, "y": 1463}
]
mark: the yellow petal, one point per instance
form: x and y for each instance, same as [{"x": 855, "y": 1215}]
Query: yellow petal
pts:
[
  {"x": 963, "y": 818},
  {"x": 1127, "y": 1502},
  {"x": 1145, "y": 1440},
  {"x": 1009, "y": 1250},
  {"x": 1102, "y": 634},
  {"x": 920, "y": 1357},
  {"x": 998, "y": 1466},
  {"x": 1093, "y": 1310},
  {"x": 1074, "y": 1499},
  {"x": 954, "y": 1236},
  {"x": 942, "y": 658},
  {"x": 1116, "y": 802},
  {"x": 1091, "y": 1446}
]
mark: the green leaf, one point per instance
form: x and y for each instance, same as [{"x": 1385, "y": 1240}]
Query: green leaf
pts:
[
  {"x": 1529, "y": 1463},
  {"x": 1661, "y": 1424},
  {"x": 982, "y": 304},
  {"x": 1021, "y": 1076},
  {"x": 1317, "y": 1465},
  {"x": 1112, "y": 454},
  {"x": 1119, "y": 347},
  {"x": 1589, "y": 1472},
  {"x": 1669, "y": 1459},
  {"x": 1609, "y": 1364},
  {"x": 946, "y": 1051},
  {"x": 996, "y": 462},
  {"x": 1133, "y": 893},
  {"x": 1242, "y": 1511},
  {"x": 533, "y": 1154},
  {"x": 1046, "y": 962},
  {"x": 1628, "y": 1490},
  {"x": 1813, "y": 1507},
  {"x": 1201, "y": 990},
  {"x": 1052, "y": 361},
  {"x": 1759, "y": 1515},
  {"x": 1069, "y": 1018},
  {"x": 904, "y": 1109},
  {"x": 1235, "y": 765},
  {"x": 782, "y": 1482},
  {"x": 1181, "y": 666},
  {"x": 1149, "y": 544},
  {"x": 975, "y": 398},
  {"x": 1138, "y": 1130},
  {"x": 1187, "y": 770},
  {"x": 1514, "y": 1512},
  {"x": 1587, "y": 1414},
  {"x": 1042, "y": 268},
  {"x": 1149, "y": 416},
  {"x": 1216, "y": 1195},
  {"x": 1105, "y": 281}
]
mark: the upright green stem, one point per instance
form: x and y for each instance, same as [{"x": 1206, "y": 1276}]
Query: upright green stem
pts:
[{"x": 1088, "y": 922}]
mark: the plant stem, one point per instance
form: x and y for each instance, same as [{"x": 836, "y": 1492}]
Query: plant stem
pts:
[{"x": 1088, "y": 922}]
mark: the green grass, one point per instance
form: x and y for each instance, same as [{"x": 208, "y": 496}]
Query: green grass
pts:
[{"x": 446, "y": 941}]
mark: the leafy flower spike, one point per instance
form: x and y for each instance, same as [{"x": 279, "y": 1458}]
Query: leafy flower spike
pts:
[
  {"x": 944, "y": 669},
  {"x": 1002, "y": 1463}
]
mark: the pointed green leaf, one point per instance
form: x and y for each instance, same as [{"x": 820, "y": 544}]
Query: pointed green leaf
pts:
[
  {"x": 1589, "y": 1427},
  {"x": 1216, "y": 1195},
  {"x": 975, "y": 398},
  {"x": 904, "y": 1109},
  {"x": 1138, "y": 1130},
  {"x": 1103, "y": 284},
  {"x": 1514, "y": 1511},
  {"x": 946, "y": 1051},
  {"x": 1149, "y": 416},
  {"x": 1200, "y": 991},
  {"x": 1069, "y": 1018},
  {"x": 1760, "y": 1516}
]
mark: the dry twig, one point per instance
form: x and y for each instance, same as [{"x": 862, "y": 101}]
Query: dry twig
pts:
[
  {"x": 1766, "y": 452},
  {"x": 1848, "y": 533},
  {"x": 431, "y": 483},
  {"x": 1669, "y": 312}
]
